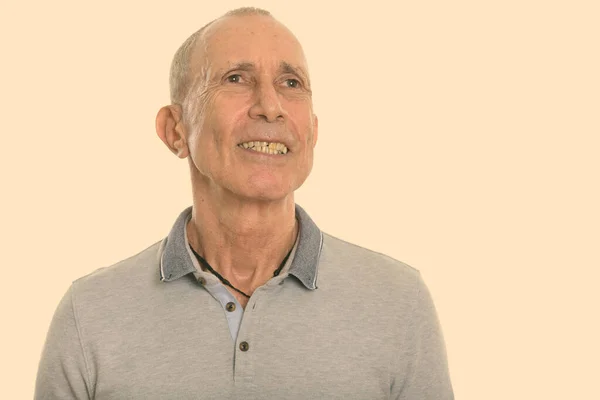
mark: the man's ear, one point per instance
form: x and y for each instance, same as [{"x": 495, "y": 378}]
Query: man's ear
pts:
[
  {"x": 171, "y": 130},
  {"x": 315, "y": 130}
]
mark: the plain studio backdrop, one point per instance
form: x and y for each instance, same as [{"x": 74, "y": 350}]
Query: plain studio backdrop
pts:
[{"x": 459, "y": 137}]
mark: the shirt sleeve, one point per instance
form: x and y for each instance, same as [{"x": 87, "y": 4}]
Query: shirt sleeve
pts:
[
  {"x": 62, "y": 371},
  {"x": 427, "y": 377}
]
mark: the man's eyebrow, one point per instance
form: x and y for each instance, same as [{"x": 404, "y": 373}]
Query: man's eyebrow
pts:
[
  {"x": 240, "y": 66},
  {"x": 284, "y": 67},
  {"x": 290, "y": 69}
]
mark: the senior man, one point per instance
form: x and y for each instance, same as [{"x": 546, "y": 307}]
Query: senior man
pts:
[{"x": 245, "y": 298}]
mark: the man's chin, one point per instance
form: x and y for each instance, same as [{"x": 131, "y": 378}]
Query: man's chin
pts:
[{"x": 265, "y": 193}]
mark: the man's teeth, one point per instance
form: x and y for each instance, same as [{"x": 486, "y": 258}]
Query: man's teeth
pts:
[{"x": 265, "y": 147}]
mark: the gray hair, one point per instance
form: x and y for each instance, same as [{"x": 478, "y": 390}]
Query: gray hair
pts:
[{"x": 179, "y": 79}]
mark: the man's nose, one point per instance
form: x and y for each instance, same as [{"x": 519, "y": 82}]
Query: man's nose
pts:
[{"x": 267, "y": 104}]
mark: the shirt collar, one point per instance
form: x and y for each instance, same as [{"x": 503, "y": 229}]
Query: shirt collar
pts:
[{"x": 175, "y": 260}]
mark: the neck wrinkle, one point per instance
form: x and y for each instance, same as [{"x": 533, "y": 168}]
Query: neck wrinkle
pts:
[{"x": 244, "y": 244}]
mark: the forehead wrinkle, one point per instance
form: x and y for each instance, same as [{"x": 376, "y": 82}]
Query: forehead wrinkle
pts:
[{"x": 223, "y": 30}]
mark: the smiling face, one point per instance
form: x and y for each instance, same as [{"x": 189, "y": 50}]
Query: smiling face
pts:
[{"x": 250, "y": 84}]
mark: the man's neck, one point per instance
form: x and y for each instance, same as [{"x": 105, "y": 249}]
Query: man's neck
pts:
[{"x": 243, "y": 241}]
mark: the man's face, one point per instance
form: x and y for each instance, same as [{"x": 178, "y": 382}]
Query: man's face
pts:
[{"x": 250, "y": 84}]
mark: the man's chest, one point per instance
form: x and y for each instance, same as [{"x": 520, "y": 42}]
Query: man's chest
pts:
[
  {"x": 276, "y": 356},
  {"x": 326, "y": 369}
]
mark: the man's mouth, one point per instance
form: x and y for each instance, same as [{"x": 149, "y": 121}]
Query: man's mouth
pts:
[{"x": 265, "y": 147}]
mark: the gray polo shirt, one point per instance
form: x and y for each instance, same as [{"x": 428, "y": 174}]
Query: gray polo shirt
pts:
[{"x": 338, "y": 322}]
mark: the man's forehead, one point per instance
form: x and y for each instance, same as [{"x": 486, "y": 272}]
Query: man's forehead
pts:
[{"x": 249, "y": 41}]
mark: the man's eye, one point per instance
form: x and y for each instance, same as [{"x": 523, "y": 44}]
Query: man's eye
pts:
[
  {"x": 292, "y": 83},
  {"x": 235, "y": 78}
]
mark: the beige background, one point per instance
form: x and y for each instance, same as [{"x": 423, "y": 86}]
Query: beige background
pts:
[{"x": 460, "y": 137}]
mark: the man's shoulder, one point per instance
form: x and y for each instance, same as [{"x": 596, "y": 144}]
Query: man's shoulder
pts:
[
  {"x": 138, "y": 268},
  {"x": 358, "y": 258}
]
